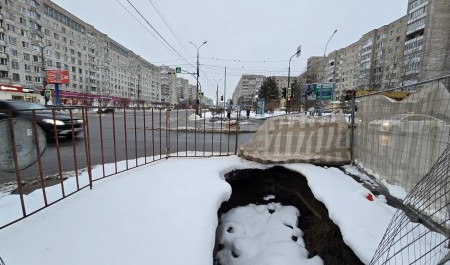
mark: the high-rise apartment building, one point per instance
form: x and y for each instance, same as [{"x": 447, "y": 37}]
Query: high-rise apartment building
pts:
[
  {"x": 38, "y": 34},
  {"x": 373, "y": 62},
  {"x": 247, "y": 88},
  {"x": 411, "y": 49},
  {"x": 427, "y": 43}
]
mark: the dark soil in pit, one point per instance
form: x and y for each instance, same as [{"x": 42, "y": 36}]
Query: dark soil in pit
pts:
[{"x": 322, "y": 237}]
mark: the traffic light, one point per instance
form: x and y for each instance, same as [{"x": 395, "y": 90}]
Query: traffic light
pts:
[
  {"x": 42, "y": 92},
  {"x": 221, "y": 98},
  {"x": 349, "y": 94},
  {"x": 289, "y": 99},
  {"x": 283, "y": 93}
]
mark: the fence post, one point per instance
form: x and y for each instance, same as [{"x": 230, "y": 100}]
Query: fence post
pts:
[{"x": 352, "y": 130}]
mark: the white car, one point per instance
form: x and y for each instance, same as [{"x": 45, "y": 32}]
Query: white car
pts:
[{"x": 409, "y": 123}]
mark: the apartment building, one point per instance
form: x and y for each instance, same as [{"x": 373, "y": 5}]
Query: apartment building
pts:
[
  {"x": 427, "y": 42},
  {"x": 247, "y": 88},
  {"x": 168, "y": 85},
  {"x": 38, "y": 34},
  {"x": 411, "y": 49}
]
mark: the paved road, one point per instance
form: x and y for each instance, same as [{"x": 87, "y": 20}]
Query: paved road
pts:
[{"x": 125, "y": 135}]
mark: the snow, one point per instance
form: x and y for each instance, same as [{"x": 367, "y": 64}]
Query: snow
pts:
[{"x": 166, "y": 213}]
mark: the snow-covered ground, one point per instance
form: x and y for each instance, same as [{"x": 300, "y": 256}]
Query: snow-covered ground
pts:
[{"x": 166, "y": 213}]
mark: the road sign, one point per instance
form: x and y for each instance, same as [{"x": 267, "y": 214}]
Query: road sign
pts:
[
  {"x": 289, "y": 92},
  {"x": 48, "y": 92},
  {"x": 325, "y": 91},
  {"x": 299, "y": 50},
  {"x": 200, "y": 95},
  {"x": 178, "y": 70}
]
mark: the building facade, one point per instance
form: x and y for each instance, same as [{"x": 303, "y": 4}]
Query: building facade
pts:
[
  {"x": 427, "y": 41},
  {"x": 411, "y": 49},
  {"x": 246, "y": 89},
  {"x": 38, "y": 34}
]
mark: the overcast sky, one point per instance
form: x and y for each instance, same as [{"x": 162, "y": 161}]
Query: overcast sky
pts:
[{"x": 246, "y": 36}]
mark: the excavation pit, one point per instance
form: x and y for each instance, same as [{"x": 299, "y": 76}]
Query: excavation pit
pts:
[{"x": 277, "y": 186}]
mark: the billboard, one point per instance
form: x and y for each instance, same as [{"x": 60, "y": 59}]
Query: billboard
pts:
[
  {"x": 319, "y": 91},
  {"x": 57, "y": 76}
]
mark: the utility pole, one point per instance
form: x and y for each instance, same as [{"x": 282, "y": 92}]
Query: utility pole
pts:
[
  {"x": 139, "y": 86},
  {"x": 44, "y": 83},
  {"x": 198, "y": 74},
  {"x": 225, "y": 89},
  {"x": 217, "y": 91}
]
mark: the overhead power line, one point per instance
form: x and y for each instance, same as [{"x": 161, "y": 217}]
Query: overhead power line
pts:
[{"x": 148, "y": 23}]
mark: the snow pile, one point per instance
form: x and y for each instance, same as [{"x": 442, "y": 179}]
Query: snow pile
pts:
[{"x": 262, "y": 234}]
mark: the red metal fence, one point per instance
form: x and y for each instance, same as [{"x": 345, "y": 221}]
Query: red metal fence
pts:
[{"x": 94, "y": 144}]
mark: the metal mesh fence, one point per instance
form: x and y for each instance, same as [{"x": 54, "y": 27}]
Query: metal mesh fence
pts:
[
  {"x": 406, "y": 143},
  {"x": 421, "y": 233},
  {"x": 399, "y": 141}
]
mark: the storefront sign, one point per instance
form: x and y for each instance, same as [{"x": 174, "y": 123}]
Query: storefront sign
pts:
[{"x": 10, "y": 88}]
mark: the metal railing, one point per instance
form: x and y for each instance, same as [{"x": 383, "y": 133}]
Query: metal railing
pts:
[{"x": 106, "y": 144}]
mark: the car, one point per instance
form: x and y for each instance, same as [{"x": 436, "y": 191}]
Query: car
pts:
[
  {"x": 43, "y": 116},
  {"x": 105, "y": 110},
  {"x": 409, "y": 123}
]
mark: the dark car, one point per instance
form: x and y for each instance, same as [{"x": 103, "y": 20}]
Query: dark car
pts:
[{"x": 44, "y": 117}]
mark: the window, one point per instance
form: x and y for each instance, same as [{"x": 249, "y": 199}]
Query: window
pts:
[
  {"x": 9, "y": 15},
  {"x": 16, "y": 77},
  {"x": 25, "y": 44},
  {"x": 15, "y": 64},
  {"x": 3, "y": 74},
  {"x": 35, "y": 36},
  {"x": 35, "y": 58},
  {"x": 47, "y": 32},
  {"x": 14, "y": 52},
  {"x": 28, "y": 78},
  {"x": 27, "y": 67},
  {"x": 3, "y": 61},
  {"x": 37, "y": 69},
  {"x": 22, "y": 21},
  {"x": 26, "y": 56},
  {"x": 12, "y": 40},
  {"x": 38, "y": 79},
  {"x": 11, "y": 27}
]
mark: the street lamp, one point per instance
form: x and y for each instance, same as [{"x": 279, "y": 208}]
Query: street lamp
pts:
[
  {"x": 325, "y": 52},
  {"x": 217, "y": 91},
  {"x": 324, "y": 58},
  {"x": 198, "y": 74},
  {"x": 297, "y": 53},
  {"x": 44, "y": 84}
]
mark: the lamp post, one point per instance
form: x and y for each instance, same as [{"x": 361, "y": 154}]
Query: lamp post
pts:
[
  {"x": 44, "y": 84},
  {"x": 217, "y": 91},
  {"x": 324, "y": 58},
  {"x": 297, "y": 53},
  {"x": 198, "y": 74},
  {"x": 325, "y": 52}
]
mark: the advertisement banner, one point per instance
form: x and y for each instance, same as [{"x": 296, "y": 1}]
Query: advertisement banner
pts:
[{"x": 57, "y": 76}]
